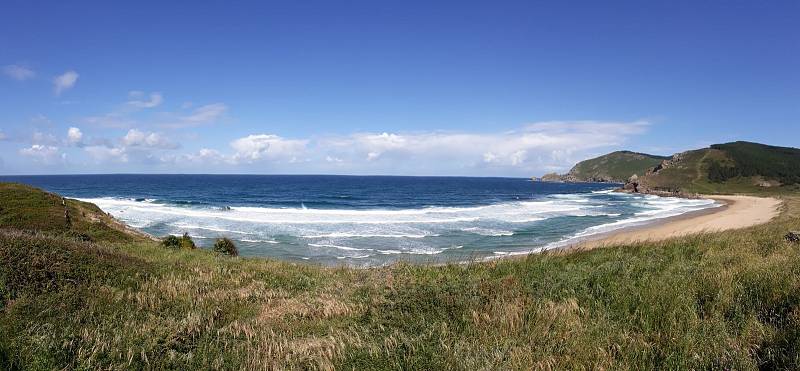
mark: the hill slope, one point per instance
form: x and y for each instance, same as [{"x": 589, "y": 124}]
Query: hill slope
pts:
[
  {"x": 614, "y": 167},
  {"x": 726, "y": 168},
  {"x": 23, "y": 207},
  {"x": 728, "y": 301}
]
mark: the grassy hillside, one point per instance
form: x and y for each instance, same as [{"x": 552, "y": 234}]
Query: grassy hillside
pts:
[
  {"x": 614, "y": 167},
  {"x": 730, "y": 168},
  {"x": 729, "y": 301},
  {"x": 26, "y": 208},
  {"x": 753, "y": 159}
]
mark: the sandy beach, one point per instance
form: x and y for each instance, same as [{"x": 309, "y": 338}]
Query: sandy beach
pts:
[{"x": 737, "y": 212}]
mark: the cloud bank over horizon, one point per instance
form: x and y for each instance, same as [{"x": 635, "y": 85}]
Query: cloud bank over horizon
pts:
[
  {"x": 139, "y": 136},
  {"x": 531, "y": 149}
]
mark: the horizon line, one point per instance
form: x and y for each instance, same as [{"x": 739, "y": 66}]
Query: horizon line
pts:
[{"x": 256, "y": 174}]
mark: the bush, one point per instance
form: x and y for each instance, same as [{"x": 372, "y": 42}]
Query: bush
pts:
[
  {"x": 187, "y": 243},
  {"x": 175, "y": 242},
  {"x": 172, "y": 242},
  {"x": 226, "y": 246}
]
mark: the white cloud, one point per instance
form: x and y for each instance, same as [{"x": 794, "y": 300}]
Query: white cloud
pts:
[
  {"x": 136, "y": 138},
  {"x": 137, "y": 99},
  {"x": 44, "y": 138},
  {"x": 267, "y": 147},
  {"x": 111, "y": 120},
  {"x": 201, "y": 115},
  {"x": 41, "y": 120},
  {"x": 74, "y": 136},
  {"x": 122, "y": 116},
  {"x": 602, "y": 128},
  {"x": 256, "y": 148},
  {"x": 528, "y": 150},
  {"x": 19, "y": 73},
  {"x": 205, "y": 156},
  {"x": 3, "y": 136},
  {"x": 65, "y": 81},
  {"x": 207, "y": 113},
  {"x": 135, "y": 146},
  {"x": 103, "y": 154},
  {"x": 47, "y": 155}
]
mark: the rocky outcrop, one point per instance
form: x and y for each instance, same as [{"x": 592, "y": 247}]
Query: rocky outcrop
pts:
[
  {"x": 632, "y": 184},
  {"x": 552, "y": 177}
]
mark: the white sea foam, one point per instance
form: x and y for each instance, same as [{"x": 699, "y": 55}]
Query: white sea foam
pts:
[
  {"x": 418, "y": 231},
  {"x": 367, "y": 235},
  {"x": 208, "y": 228},
  {"x": 426, "y": 251},
  {"x": 510, "y": 211},
  {"x": 488, "y": 231},
  {"x": 258, "y": 241},
  {"x": 337, "y": 247}
]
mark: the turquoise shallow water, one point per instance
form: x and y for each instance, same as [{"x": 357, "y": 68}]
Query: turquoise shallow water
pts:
[{"x": 366, "y": 221}]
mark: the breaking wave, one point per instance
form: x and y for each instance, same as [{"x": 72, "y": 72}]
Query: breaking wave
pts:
[{"x": 372, "y": 234}]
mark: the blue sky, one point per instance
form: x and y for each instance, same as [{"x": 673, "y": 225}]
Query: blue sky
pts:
[{"x": 408, "y": 88}]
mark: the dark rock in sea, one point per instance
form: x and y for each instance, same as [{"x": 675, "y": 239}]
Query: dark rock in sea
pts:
[{"x": 632, "y": 184}]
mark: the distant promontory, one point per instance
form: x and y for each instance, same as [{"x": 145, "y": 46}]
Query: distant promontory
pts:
[{"x": 720, "y": 168}]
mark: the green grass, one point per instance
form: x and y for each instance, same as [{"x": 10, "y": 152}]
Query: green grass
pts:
[
  {"x": 753, "y": 163},
  {"x": 690, "y": 175},
  {"x": 616, "y": 166},
  {"x": 727, "y": 301},
  {"x": 26, "y": 208}
]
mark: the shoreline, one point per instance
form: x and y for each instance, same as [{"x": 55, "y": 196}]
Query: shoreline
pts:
[{"x": 736, "y": 212}]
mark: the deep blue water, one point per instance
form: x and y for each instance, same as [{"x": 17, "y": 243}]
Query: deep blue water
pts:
[{"x": 365, "y": 220}]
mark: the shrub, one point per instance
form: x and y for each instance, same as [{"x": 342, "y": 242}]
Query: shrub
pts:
[
  {"x": 187, "y": 243},
  {"x": 226, "y": 246},
  {"x": 172, "y": 242}
]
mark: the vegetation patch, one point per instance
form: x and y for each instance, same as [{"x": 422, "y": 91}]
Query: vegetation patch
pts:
[
  {"x": 171, "y": 242},
  {"x": 614, "y": 167},
  {"x": 753, "y": 159},
  {"x": 226, "y": 247},
  {"x": 186, "y": 242}
]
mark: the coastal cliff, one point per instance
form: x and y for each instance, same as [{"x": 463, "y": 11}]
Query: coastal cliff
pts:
[{"x": 720, "y": 168}]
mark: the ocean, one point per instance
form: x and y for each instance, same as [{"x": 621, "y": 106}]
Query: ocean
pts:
[{"x": 366, "y": 220}]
